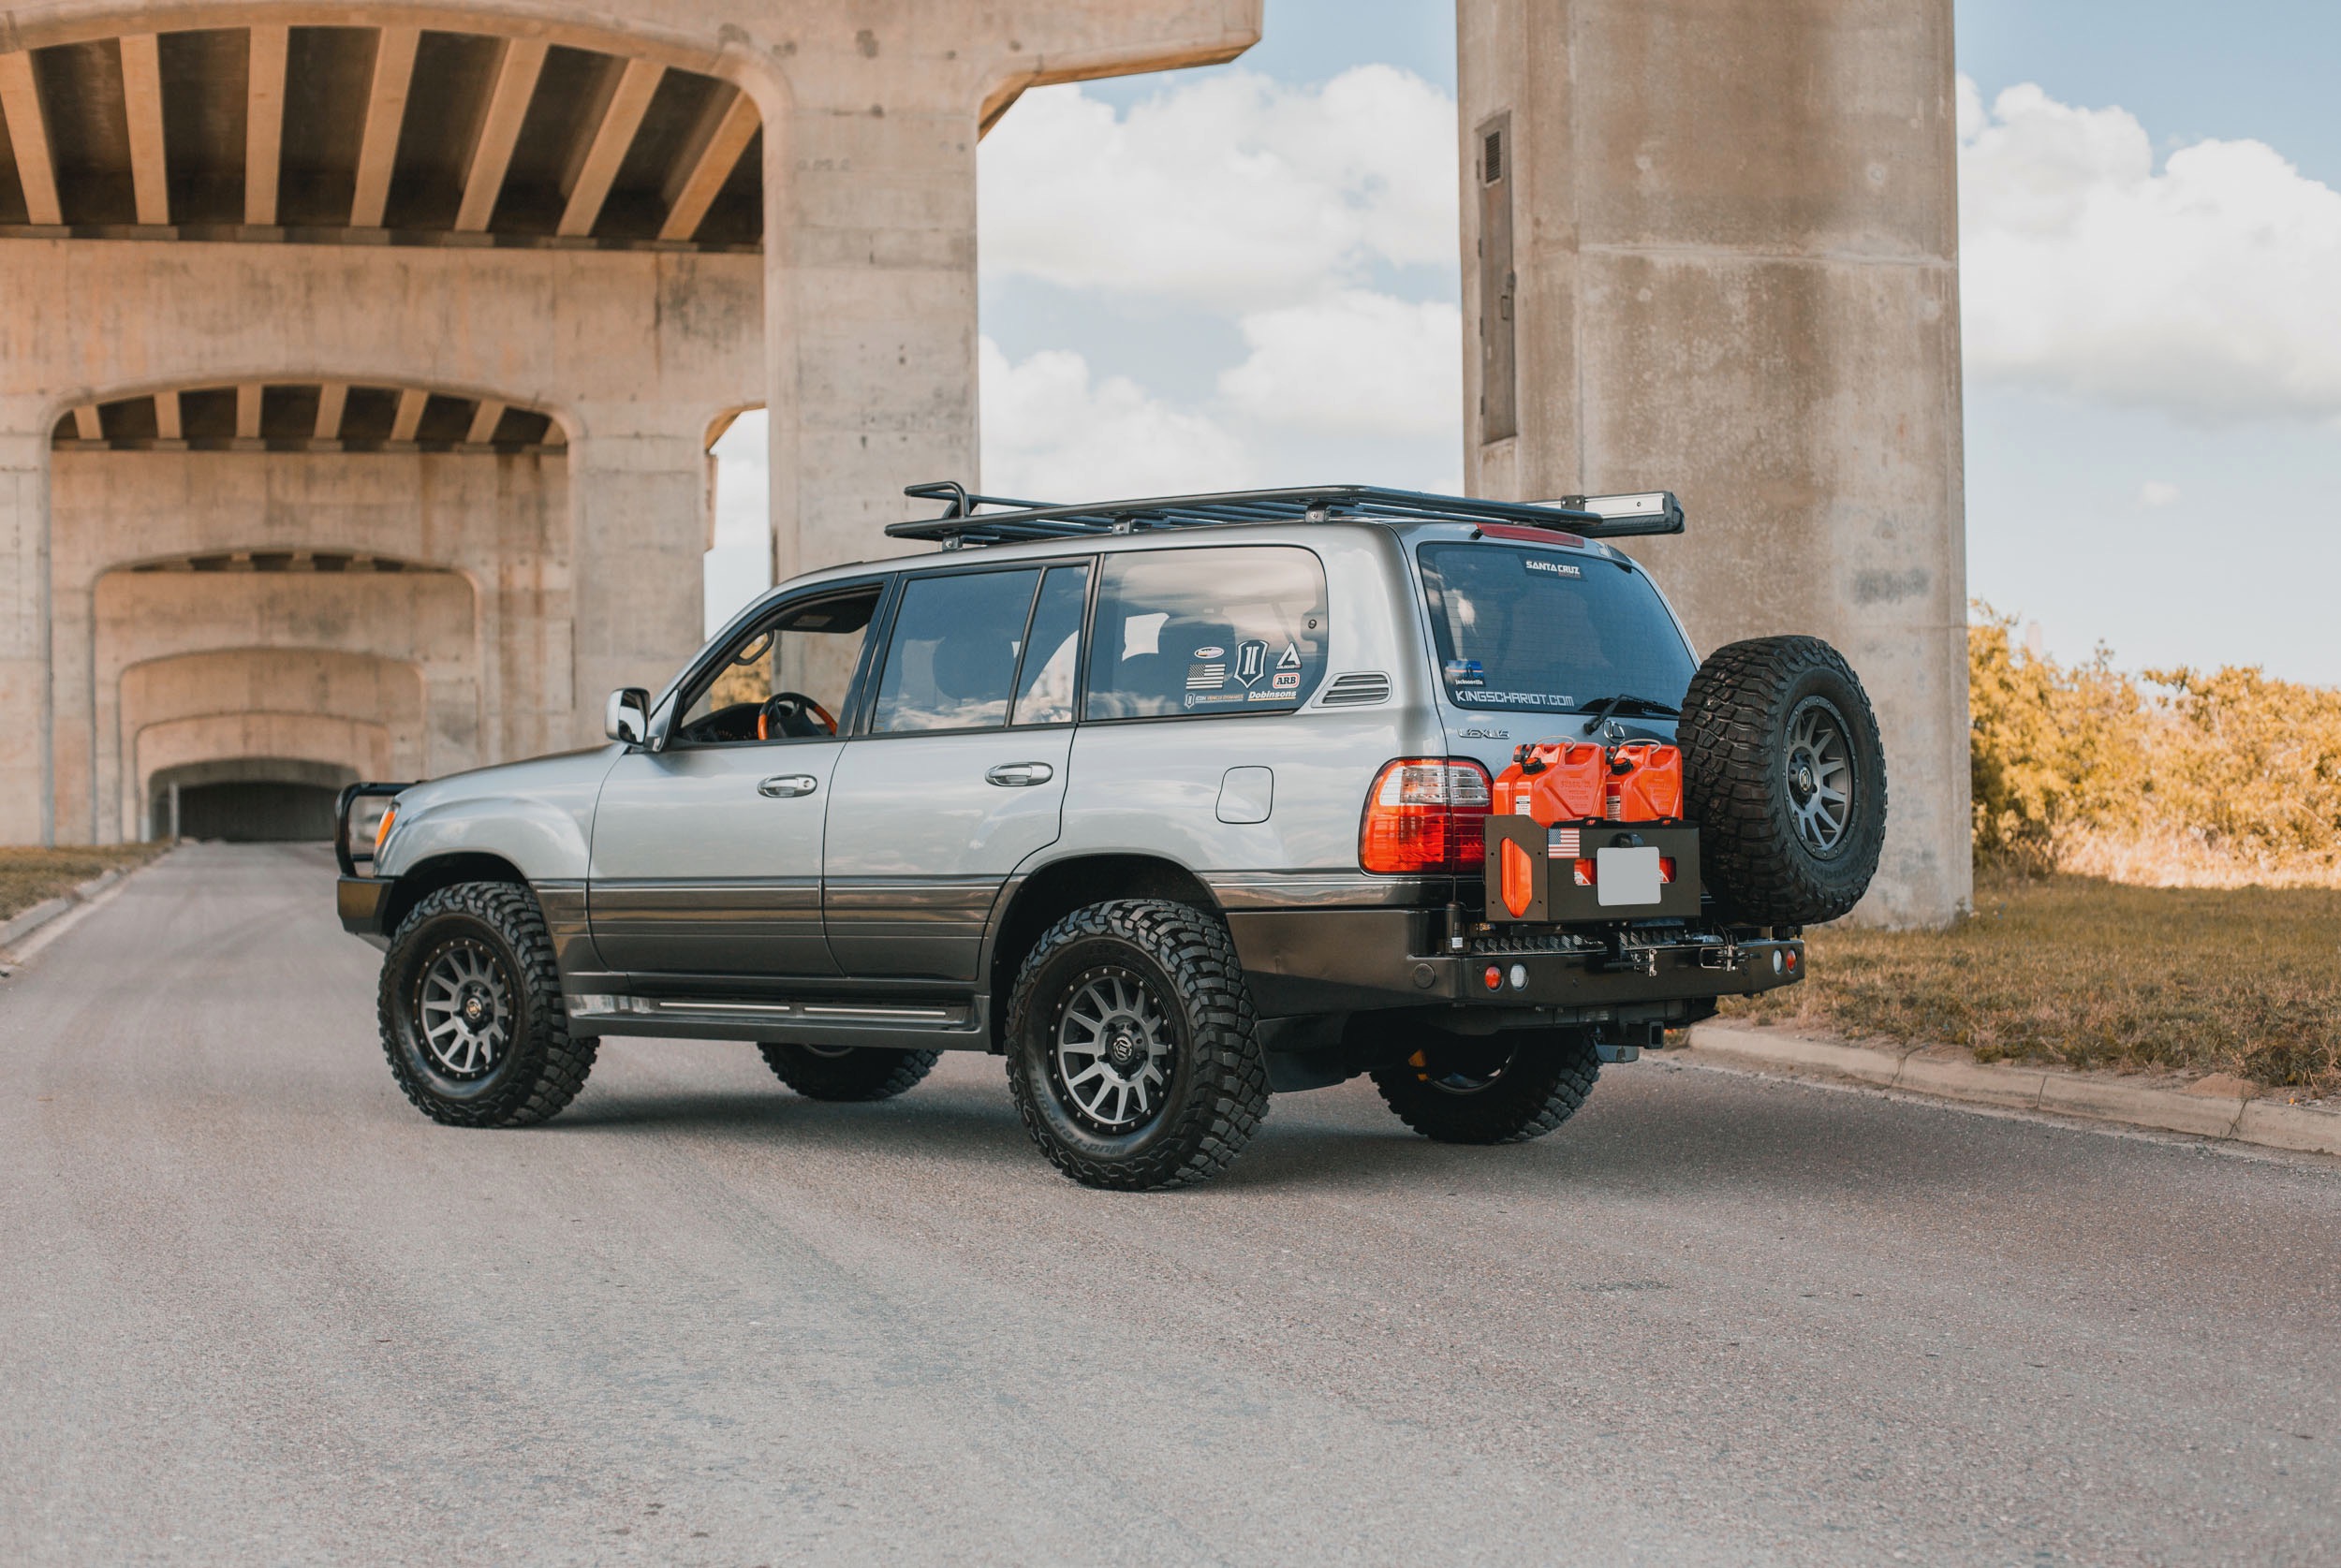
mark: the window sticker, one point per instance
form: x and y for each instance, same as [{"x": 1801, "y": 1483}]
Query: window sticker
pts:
[
  {"x": 1206, "y": 677},
  {"x": 1141, "y": 635},
  {"x": 1550, "y": 567},
  {"x": 1210, "y": 652},
  {"x": 1251, "y": 663},
  {"x": 1466, "y": 672}
]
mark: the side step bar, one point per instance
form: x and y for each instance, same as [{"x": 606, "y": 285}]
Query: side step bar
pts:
[{"x": 900, "y": 1025}]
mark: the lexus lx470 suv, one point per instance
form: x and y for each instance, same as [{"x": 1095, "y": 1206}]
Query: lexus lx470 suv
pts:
[{"x": 1172, "y": 803}]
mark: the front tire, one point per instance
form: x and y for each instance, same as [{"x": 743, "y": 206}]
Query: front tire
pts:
[
  {"x": 847, "y": 1073},
  {"x": 1492, "y": 1089},
  {"x": 472, "y": 1018},
  {"x": 1131, "y": 1050}
]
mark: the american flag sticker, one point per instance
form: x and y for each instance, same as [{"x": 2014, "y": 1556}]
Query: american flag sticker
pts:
[{"x": 1561, "y": 844}]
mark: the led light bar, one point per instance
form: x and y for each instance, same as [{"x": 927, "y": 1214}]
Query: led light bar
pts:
[{"x": 1650, "y": 511}]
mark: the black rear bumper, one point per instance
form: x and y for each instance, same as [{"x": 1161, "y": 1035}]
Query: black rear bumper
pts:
[{"x": 1330, "y": 960}]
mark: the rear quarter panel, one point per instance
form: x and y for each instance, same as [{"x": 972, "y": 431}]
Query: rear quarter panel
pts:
[{"x": 1152, "y": 786}]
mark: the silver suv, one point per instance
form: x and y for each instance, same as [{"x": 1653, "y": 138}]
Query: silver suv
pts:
[{"x": 1171, "y": 802}]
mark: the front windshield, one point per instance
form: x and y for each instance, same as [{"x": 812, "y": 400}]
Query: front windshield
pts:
[{"x": 1549, "y": 630}]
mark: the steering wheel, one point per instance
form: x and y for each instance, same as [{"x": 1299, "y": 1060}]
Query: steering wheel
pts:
[{"x": 792, "y": 715}]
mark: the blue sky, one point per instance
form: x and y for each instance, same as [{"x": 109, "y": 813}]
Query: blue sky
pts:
[{"x": 1247, "y": 273}]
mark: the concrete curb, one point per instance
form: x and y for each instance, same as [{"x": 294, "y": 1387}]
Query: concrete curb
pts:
[
  {"x": 2222, "y": 1117},
  {"x": 26, "y": 922}
]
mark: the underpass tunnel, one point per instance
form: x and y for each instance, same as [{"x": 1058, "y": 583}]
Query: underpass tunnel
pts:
[
  {"x": 250, "y": 799},
  {"x": 373, "y": 579}
]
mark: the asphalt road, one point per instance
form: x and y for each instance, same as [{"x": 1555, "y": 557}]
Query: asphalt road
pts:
[{"x": 252, "y": 1308}]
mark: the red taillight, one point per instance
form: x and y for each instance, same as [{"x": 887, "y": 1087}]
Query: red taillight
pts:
[
  {"x": 1426, "y": 815},
  {"x": 1666, "y": 870}
]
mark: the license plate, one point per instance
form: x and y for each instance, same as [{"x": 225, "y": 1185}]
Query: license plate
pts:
[{"x": 1626, "y": 876}]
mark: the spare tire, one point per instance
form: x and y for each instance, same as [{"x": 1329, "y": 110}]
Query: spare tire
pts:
[{"x": 1783, "y": 772}]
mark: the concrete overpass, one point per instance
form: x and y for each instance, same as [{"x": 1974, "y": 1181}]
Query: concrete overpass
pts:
[{"x": 358, "y": 363}]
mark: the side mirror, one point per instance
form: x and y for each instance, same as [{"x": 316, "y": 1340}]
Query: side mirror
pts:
[{"x": 627, "y": 719}]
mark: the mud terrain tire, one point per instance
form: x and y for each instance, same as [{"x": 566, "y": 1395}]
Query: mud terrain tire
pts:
[
  {"x": 472, "y": 1018},
  {"x": 1493, "y": 1089},
  {"x": 854, "y": 1074},
  {"x": 1176, "y": 1083},
  {"x": 1783, "y": 771}
]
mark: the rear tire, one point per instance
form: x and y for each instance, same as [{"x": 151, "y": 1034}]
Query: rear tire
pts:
[
  {"x": 1131, "y": 1050},
  {"x": 472, "y": 1018},
  {"x": 850, "y": 1072},
  {"x": 1492, "y": 1089},
  {"x": 1785, "y": 775}
]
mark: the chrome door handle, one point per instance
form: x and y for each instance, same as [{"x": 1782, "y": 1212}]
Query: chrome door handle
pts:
[
  {"x": 787, "y": 786},
  {"x": 1012, "y": 775}
]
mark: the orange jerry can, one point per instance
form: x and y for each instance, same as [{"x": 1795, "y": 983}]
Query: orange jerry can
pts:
[
  {"x": 1554, "y": 781},
  {"x": 1645, "y": 783}
]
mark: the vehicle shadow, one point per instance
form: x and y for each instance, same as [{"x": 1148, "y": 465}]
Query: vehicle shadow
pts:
[{"x": 1655, "y": 1136}]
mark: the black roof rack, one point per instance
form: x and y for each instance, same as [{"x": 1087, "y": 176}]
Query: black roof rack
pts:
[{"x": 966, "y": 522}]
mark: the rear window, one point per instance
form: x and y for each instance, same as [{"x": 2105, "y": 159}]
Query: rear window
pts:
[
  {"x": 1234, "y": 630},
  {"x": 1549, "y": 629}
]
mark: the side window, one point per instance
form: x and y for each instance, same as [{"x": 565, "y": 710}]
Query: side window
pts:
[
  {"x": 1044, "y": 690},
  {"x": 1233, "y": 630},
  {"x": 785, "y": 679},
  {"x": 951, "y": 664}
]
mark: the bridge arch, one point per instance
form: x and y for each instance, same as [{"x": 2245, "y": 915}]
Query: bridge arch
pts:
[{"x": 502, "y": 124}]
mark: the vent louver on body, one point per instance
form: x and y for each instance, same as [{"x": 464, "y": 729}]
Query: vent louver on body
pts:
[{"x": 1356, "y": 690}]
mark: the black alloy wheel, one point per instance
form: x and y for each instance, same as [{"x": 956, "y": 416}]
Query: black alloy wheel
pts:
[
  {"x": 472, "y": 1017},
  {"x": 1130, "y": 1046}
]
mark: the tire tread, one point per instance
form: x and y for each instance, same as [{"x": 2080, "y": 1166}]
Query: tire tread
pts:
[
  {"x": 565, "y": 1060},
  {"x": 1231, "y": 1071}
]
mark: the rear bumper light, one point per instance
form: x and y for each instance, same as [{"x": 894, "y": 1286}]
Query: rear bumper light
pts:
[{"x": 1426, "y": 815}]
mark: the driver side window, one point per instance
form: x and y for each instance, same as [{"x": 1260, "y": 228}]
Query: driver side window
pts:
[{"x": 785, "y": 679}]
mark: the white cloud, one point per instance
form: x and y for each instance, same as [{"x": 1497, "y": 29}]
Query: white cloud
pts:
[
  {"x": 1051, "y": 432},
  {"x": 2157, "y": 494},
  {"x": 1231, "y": 191},
  {"x": 2210, "y": 288},
  {"x": 1353, "y": 363},
  {"x": 739, "y": 564},
  {"x": 743, "y": 480}
]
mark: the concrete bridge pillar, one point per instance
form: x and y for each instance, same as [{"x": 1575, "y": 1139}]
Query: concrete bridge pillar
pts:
[
  {"x": 24, "y": 759},
  {"x": 1712, "y": 246},
  {"x": 640, "y": 499}
]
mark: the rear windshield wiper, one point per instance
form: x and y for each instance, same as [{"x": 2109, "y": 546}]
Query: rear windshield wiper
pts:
[{"x": 1605, "y": 708}]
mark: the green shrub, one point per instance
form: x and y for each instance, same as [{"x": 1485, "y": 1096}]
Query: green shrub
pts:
[{"x": 2176, "y": 775}]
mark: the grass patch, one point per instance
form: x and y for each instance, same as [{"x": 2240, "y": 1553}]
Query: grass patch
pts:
[
  {"x": 2083, "y": 973},
  {"x": 28, "y": 876}
]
